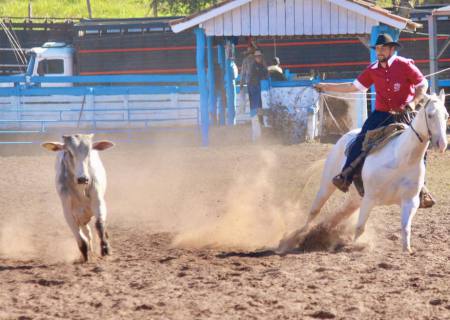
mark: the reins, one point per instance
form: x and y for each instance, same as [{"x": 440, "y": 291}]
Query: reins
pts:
[{"x": 426, "y": 121}]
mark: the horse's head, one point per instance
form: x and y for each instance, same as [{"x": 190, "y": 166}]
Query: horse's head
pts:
[{"x": 435, "y": 115}]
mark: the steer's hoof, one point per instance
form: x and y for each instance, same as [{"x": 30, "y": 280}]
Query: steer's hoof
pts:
[
  {"x": 105, "y": 250},
  {"x": 84, "y": 252}
]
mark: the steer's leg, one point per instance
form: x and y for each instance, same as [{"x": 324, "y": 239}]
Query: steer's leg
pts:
[
  {"x": 87, "y": 232},
  {"x": 70, "y": 215},
  {"x": 409, "y": 209},
  {"x": 366, "y": 206},
  {"x": 99, "y": 210}
]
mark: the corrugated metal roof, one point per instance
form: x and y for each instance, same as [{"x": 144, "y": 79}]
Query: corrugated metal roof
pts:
[
  {"x": 444, "y": 11},
  {"x": 371, "y": 11}
]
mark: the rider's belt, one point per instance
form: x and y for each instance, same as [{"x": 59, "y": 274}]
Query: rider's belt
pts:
[{"x": 397, "y": 113}]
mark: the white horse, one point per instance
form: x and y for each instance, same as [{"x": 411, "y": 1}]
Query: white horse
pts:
[{"x": 393, "y": 175}]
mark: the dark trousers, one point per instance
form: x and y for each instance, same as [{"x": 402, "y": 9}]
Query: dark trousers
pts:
[
  {"x": 375, "y": 120},
  {"x": 254, "y": 95}
]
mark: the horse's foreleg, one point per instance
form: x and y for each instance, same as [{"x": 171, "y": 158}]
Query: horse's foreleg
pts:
[
  {"x": 291, "y": 240},
  {"x": 325, "y": 192},
  {"x": 350, "y": 206},
  {"x": 366, "y": 207},
  {"x": 409, "y": 209}
]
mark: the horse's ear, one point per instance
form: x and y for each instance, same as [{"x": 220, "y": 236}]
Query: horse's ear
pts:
[{"x": 442, "y": 95}]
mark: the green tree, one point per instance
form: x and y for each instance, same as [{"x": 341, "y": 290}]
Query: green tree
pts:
[{"x": 178, "y": 7}]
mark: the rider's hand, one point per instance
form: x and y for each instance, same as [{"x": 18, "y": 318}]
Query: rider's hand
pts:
[
  {"x": 412, "y": 106},
  {"x": 319, "y": 87}
]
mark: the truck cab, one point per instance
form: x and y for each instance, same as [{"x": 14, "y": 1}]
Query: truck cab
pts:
[{"x": 52, "y": 59}]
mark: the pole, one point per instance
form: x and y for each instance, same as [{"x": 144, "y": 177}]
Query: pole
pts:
[
  {"x": 211, "y": 80},
  {"x": 230, "y": 86},
  {"x": 221, "y": 61},
  {"x": 432, "y": 40},
  {"x": 88, "y": 3},
  {"x": 202, "y": 84}
]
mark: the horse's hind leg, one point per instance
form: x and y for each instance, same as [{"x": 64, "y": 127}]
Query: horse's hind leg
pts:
[{"x": 366, "y": 207}]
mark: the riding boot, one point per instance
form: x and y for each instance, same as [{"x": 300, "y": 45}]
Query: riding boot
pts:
[
  {"x": 343, "y": 180},
  {"x": 426, "y": 199}
]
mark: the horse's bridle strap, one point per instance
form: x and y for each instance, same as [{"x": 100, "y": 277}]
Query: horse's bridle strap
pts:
[{"x": 426, "y": 121}]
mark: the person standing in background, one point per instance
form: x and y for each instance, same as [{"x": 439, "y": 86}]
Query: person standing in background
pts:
[{"x": 257, "y": 72}]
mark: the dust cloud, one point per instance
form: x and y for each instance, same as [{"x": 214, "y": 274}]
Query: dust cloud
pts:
[
  {"x": 32, "y": 224},
  {"x": 251, "y": 220},
  {"x": 232, "y": 197}
]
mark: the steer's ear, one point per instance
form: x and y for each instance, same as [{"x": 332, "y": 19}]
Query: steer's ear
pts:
[
  {"x": 53, "y": 146},
  {"x": 102, "y": 145}
]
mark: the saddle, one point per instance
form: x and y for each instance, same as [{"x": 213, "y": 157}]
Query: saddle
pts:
[{"x": 374, "y": 140}]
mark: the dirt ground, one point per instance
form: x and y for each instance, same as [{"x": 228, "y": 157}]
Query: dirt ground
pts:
[{"x": 188, "y": 228}]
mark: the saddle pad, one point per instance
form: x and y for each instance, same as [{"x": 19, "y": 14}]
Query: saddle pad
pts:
[{"x": 378, "y": 138}]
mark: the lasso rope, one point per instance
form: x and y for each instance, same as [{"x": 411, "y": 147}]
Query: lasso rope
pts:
[{"x": 373, "y": 93}]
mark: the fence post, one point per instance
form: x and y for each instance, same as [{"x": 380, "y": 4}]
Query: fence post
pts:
[
  {"x": 126, "y": 98},
  {"x": 211, "y": 80},
  {"x": 230, "y": 84},
  {"x": 90, "y": 105},
  {"x": 432, "y": 41},
  {"x": 202, "y": 84},
  {"x": 174, "y": 102},
  {"x": 221, "y": 61}
]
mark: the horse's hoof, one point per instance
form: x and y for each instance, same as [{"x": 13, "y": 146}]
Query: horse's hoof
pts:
[
  {"x": 358, "y": 233},
  {"x": 282, "y": 248}
]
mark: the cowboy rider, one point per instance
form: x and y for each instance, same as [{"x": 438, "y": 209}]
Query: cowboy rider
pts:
[{"x": 399, "y": 86}]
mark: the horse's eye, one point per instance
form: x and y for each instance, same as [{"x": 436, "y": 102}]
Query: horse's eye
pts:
[{"x": 430, "y": 116}]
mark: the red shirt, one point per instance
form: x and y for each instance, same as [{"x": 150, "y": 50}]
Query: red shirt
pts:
[{"x": 394, "y": 85}]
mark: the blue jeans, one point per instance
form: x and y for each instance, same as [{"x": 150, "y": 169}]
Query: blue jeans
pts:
[
  {"x": 375, "y": 120},
  {"x": 254, "y": 95}
]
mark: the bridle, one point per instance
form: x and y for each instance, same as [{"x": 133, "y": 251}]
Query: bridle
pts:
[{"x": 426, "y": 121}]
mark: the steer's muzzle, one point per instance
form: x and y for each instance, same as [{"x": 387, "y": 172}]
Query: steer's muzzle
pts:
[{"x": 83, "y": 180}]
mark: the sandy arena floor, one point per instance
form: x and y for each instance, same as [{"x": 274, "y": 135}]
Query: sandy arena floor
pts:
[{"x": 186, "y": 226}]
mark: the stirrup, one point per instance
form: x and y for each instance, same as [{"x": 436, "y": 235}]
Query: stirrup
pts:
[
  {"x": 341, "y": 182},
  {"x": 426, "y": 199},
  {"x": 359, "y": 185}
]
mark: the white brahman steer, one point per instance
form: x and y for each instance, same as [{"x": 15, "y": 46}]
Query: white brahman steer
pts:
[{"x": 81, "y": 185}]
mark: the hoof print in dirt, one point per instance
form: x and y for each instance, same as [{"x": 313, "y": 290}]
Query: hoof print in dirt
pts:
[
  {"x": 48, "y": 283},
  {"x": 144, "y": 307},
  {"x": 386, "y": 266},
  {"x": 323, "y": 315},
  {"x": 437, "y": 302}
]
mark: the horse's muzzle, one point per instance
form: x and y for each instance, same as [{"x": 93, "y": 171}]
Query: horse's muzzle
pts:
[{"x": 441, "y": 145}]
